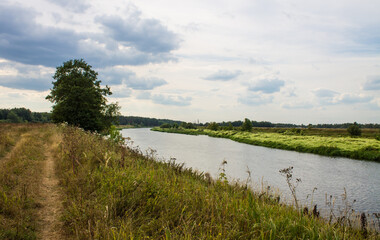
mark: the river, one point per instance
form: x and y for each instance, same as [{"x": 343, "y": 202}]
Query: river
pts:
[{"x": 330, "y": 176}]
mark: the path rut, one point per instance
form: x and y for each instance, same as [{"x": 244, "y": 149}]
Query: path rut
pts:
[{"x": 51, "y": 201}]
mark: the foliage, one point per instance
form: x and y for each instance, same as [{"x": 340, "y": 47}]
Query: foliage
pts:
[
  {"x": 20, "y": 115},
  {"x": 79, "y": 99},
  {"x": 354, "y": 130},
  {"x": 145, "y": 122},
  {"x": 165, "y": 125},
  {"x": 213, "y": 126},
  {"x": 293, "y": 131},
  {"x": 247, "y": 125},
  {"x": 228, "y": 127},
  {"x": 115, "y": 135},
  {"x": 188, "y": 125}
]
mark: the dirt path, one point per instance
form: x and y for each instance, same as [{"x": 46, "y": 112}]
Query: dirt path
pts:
[{"x": 51, "y": 201}]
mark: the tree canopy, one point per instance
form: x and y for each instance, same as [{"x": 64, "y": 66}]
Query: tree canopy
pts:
[
  {"x": 79, "y": 99},
  {"x": 354, "y": 130},
  {"x": 247, "y": 125}
]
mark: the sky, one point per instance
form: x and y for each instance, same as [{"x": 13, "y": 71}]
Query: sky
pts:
[{"x": 288, "y": 61}]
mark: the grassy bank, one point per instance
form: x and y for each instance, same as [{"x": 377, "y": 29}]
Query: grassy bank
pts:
[
  {"x": 114, "y": 192},
  {"x": 356, "y": 148}
]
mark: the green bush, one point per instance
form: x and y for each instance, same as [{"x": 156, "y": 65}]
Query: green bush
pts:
[
  {"x": 354, "y": 130},
  {"x": 165, "y": 125},
  {"x": 213, "y": 126}
]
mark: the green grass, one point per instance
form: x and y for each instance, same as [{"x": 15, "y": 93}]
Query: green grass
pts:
[
  {"x": 356, "y": 148},
  {"x": 117, "y": 193}
]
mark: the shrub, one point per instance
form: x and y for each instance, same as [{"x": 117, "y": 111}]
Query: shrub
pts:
[
  {"x": 213, "y": 126},
  {"x": 165, "y": 125},
  {"x": 247, "y": 125},
  {"x": 354, "y": 130}
]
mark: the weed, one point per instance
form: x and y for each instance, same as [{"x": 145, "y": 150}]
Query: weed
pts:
[{"x": 288, "y": 173}]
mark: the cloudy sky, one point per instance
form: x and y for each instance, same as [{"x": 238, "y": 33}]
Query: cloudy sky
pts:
[{"x": 291, "y": 61}]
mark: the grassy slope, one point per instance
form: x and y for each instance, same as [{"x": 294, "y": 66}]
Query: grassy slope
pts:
[
  {"x": 357, "y": 148},
  {"x": 116, "y": 193}
]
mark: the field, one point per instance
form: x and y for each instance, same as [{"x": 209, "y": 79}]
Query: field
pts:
[
  {"x": 333, "y": 144},
  {"x": 114, "y": 192}
]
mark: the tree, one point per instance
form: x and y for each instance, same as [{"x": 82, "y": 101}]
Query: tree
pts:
[
  {"x": 79, "y": 99},
  {"x": 213, "y": 126},
  {"x": 354, "y": 130},
  {"x": 247, "y": 125},
  {"x": 13, "y": 117}
]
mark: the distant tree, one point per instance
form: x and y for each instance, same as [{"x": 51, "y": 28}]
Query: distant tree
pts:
[
  {"x": 165, "y": 125},
  {"x": 13, "y": 117},
  {"x": 354, "y": 130},
  {"x": 247, "y": 125},
  {"x": 229, "y": 126},
  {"x": 213, "y": 126},
  {"x": 23, "y": 113},
  {"x": 79, "y": 99},
  {"x": 188, "y": 125}
]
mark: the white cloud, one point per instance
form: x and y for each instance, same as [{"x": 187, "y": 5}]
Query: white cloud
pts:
[
  {"x": 171, "y": 100},
  {"x": 223, "y": 75},
  {"x": 348, "y": 98},
  {"x": 266, "y": 85},
  {"x": 372, "y": 83},
  {"x": 255, "y": 99},
  {"x": 325, "y": 93},
  {"x": 297, "y": 105}
]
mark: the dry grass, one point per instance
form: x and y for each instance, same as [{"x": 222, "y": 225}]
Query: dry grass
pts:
[{"x": 20, "y": 179}]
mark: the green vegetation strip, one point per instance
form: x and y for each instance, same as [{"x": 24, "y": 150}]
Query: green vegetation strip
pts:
[
  {"x": 114, "y": 192},
  {"x": 356, "y": 148}
]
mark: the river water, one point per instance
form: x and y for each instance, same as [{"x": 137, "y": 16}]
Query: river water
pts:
[{"x": 331, "y": 176}]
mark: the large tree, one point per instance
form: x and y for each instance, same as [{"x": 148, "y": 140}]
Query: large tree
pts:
[{"x": 79, "y": 99}]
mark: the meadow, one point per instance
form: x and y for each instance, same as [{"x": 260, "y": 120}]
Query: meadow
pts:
[
  {"x": 334, "y": 145},
  {"x": 112, "y": 191}
]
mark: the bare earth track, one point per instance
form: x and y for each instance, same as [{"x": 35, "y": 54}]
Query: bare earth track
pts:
[{"x": 51, "y": 226}]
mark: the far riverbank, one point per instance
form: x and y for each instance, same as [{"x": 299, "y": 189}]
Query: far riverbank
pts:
[{"x": 355, "y": 148}]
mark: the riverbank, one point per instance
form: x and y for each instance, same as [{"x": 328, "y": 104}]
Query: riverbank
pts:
[
  {"x": 355, "y": 148},
  {"x": 115, "y": 192}
]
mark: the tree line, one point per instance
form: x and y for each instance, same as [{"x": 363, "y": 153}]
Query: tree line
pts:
[
  {"x": 23, "y": 115},
  {"x": 267, "y": 124},
  {"x": 145, "y": 121}
]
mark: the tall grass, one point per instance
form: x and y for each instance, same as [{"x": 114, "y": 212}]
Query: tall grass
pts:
[
  {"x": 356, "y": 148},
  {"x": 114, "y": 192}
]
